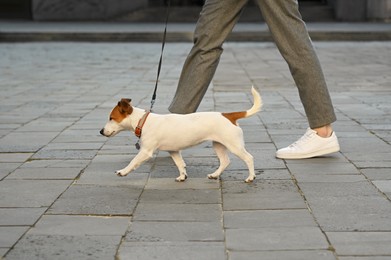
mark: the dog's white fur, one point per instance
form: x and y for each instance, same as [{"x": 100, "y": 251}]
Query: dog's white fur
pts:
[{"x": 175, "y": 132}]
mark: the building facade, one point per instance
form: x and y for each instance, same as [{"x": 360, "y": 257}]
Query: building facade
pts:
[{"x": 65, "y": 10}]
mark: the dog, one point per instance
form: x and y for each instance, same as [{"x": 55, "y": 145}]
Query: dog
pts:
[{"x": 175, "y": 132}]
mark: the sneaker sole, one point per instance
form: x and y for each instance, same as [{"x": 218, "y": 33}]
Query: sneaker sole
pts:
[{"x": 309, "y": 155}]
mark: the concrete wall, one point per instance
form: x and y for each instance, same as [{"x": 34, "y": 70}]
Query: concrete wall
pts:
[
  {"x": 362, "y": 10},
  {"x": 379, "y": 10},
  {"x": 68, "y": 10},
  {"x": 82, "y": 9}
]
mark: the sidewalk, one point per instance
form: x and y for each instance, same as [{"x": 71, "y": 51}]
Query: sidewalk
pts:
[
  {"x": 60, "y": 198},
  {"x": 11, "y": 31}
]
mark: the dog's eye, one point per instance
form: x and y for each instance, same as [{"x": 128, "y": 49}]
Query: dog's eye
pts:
[{"x": 110, "y": 118}]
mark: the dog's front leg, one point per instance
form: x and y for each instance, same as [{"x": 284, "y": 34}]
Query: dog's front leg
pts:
[{"x": 141, "y": 157}]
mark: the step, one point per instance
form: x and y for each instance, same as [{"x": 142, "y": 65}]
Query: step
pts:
[{"x": 178, "y": 14}]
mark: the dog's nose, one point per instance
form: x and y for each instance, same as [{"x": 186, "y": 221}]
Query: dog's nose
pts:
[{"x": 102, "y": 131}]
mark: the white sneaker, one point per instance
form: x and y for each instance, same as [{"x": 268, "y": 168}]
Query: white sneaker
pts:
[{"x": 309, "y": 145}]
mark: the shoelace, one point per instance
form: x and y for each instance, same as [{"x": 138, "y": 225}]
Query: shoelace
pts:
[{"x": 303, "y": 139}]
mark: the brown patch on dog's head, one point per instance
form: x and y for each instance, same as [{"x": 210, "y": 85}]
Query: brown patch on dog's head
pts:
[{"x": 122, "y": 110}]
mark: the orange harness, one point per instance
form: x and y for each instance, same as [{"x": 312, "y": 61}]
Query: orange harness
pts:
[{"x": 140, "y": 124}]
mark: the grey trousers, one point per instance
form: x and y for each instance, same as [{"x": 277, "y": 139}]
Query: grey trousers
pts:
[{"x": 289, "y": 32}]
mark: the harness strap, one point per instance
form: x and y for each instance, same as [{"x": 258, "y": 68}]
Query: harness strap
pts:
[{"x": 140, "y": 124}]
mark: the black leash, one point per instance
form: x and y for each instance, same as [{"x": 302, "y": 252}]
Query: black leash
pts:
[
  {"x": 158, "y": 74},
  {"x": 161, "y": 55}
]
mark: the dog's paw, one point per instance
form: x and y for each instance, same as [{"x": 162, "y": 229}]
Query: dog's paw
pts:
[
  {"x": 212, "y": 177},
  {"x": 181, "y": 178},
  {"x": 250, "y": 179},
  {"x": 121, "y": 173}
]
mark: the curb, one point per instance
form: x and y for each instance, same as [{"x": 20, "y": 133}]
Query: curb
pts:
[{"x": 248, "y": 36}]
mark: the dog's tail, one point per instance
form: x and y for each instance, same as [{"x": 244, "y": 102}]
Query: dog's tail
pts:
[
  {"x": 234, "y": 116},
  {"x": 257, "y": 103}
]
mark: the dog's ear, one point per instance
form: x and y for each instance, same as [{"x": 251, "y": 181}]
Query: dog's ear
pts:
[{"x": 124, "y": 106}]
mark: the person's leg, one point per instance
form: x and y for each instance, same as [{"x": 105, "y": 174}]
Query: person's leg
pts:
[
  {"x": 292, "y": 39},
  {"x": 216, "y": 21}
]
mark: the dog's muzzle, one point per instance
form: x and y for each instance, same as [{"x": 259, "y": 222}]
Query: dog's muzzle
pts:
[{"x": 102, "y": 131}]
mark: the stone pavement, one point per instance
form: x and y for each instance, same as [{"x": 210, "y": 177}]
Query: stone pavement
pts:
[{"x": 60, "y": 198}]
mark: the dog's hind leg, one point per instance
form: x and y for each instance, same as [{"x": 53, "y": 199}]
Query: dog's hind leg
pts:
[
  {"x": 241, "y": 152},
  {"x": 180, "y": 163},
  {"x": 221, "y": 152}
]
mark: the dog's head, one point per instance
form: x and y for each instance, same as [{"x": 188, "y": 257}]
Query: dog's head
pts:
[{"x": 116, "y": 122}]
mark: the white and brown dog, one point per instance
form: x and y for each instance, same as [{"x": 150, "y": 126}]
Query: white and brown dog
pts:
[{"x": 175, "y": 132}]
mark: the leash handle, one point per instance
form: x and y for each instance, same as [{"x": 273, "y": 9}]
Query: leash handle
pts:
[{"x": 161, "y": 55}]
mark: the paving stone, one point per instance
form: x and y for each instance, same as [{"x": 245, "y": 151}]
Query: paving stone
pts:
[
  {"x": 97, "y": 200},
  {"x": 55, "y": 164},
  {"x": 7, "y": 168},
  {"x": 377, "y": 173},
  {"x": 361, "y": 243},
  {"x": 10, "y": 235},
  {"x": 176, "y": 196},
  {"x": 20, "y": 216},
  {"x": 202, "y": 150},
  {"x": 333, "y": 158},
  {"x": 178, "y": 212},
  {"x": 256, "y": 135},
  {"x": 352, "y": 214},
  {"x": 364, "y": 258},
  {"x": 372, "y": 144},
  {"x": 74, "y": 146},
  {"x": 22, "y": 142},
  {"x": 189, "y": 184},
  {"x": 385, "y": 135},
  {"x": 270, "y": 194},
  {"x": 267, "y": 174},
  {"x": 374, "y": 160},
  {"x": 14, "y": 157},
  {"x": 341, "y": 190},
  {"x": 318, "y": 178},
  {"x": 102, "y": 169},
  {"x": 44, "y": 173},
  {"x": 136, "y": 179},
  {"x": 75, "y": 86},
  {"x": 197, "y": 171},
  {"x": 39, "y": 247},
  {"x": 113, "y": 162},
  {"x": 65, "y": 138},
  {"x": 44, "y": 125},
  {"x": 3, "y": 251},
  {"x": 80, "y": 226},
  {"x": 120, "y": 148},
  {"x": 168, "y": 251},
  {"x": 64, "y": 154},
  {"x": 348, "y": 206},
  {"x": 383, "y": 185},
  {"x": 264, "y": 156},
  {"x": 283, "y": 255},
  {"x": 175, "y": 232},
  {"x": 284, "y": 238},
  {"x": 268, "y": 219},
  {"x": 162, "y": 160},
  {"x": 328, "y": 167},
  {"x": 372, "y": 163},
  {"x": 26, "y": 193}
]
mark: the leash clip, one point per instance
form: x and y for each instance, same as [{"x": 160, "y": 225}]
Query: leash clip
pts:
[{"x": 152, "y": 103}]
